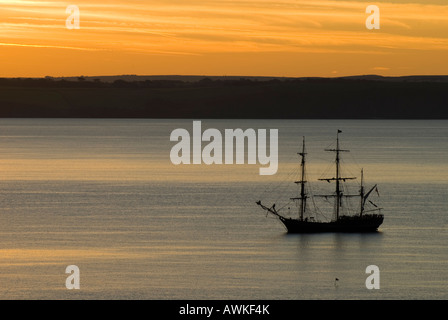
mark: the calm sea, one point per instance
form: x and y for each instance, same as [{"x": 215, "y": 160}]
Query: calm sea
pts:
[{"x": 103, "y": 195}]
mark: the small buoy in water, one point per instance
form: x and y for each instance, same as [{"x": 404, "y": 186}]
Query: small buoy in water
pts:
[{"x": 336, "y": 282}]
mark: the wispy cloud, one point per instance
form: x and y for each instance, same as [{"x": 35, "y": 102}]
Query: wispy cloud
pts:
[
  {"x": 380, "y": 68},
  {"x": 196, "y": 27},
  {"x": 46, "y": 46}
]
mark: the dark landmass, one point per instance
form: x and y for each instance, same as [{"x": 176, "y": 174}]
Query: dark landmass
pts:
[{"x": 202, "y": 97}]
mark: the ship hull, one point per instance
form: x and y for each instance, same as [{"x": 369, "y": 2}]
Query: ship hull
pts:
[{"x": 366, "y": 223}]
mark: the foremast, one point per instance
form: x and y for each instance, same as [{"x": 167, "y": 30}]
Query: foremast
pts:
[{"x": 303, "y": 195}]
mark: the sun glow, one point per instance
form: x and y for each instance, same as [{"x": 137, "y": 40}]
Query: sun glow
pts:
[{"x": 283, "y": 38}]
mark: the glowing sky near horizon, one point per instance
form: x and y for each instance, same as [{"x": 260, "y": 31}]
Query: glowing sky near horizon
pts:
[{"x": 223, "y": 37}]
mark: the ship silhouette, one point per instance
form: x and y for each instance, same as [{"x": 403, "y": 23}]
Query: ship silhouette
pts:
[{"x": 364, "y": 220}]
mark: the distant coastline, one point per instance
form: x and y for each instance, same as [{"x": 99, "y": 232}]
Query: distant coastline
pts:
[{"x": 225, "y": 97}]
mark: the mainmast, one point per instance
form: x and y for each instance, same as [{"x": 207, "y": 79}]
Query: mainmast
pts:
[
  {"x": 361, "y": 193},
  {"x": 338, "y": 178},
  {"x": 302, "y": 182}
]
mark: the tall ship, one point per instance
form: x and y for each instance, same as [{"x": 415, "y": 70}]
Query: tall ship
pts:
[{"x": 363, "y": 220}]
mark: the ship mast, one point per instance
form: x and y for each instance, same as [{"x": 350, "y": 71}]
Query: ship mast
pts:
[
  {"x": 361, "y": 193},
  {"x": 303, "y": 196},
  {"x": 338, "y": 189},
  {"x": 338, "y": 178}
]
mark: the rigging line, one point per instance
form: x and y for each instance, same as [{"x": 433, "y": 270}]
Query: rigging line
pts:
[
  {"x": 332, "y": 145},
  {"x": 282, "y": 185},
  {"x": 345, "y": 168},
  {"x": 311, "y": 192},
  {"x": 321, "y": 158},
  {"x": 314, "y": 208},
  {"x": 347, "y": 202},
  {"x": 359, "y": 168},
  {"x": 281, "y": 208},
  {"x": 278, "y": 185},
  {"x": 317, "y": 209},
  {"x": 354, "y": 160},
  {"x": 325, "y": 173}
]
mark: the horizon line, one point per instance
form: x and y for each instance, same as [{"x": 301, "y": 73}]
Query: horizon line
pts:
[{"x": 223, "y": 76}]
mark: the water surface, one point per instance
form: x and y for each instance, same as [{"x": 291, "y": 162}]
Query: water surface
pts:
[{"x": 104, "y": 195}]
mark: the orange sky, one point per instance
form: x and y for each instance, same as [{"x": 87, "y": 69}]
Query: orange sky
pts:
[{"x": 223, "y": 37}]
